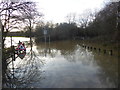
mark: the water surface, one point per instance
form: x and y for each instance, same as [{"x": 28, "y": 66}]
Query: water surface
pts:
[{"x": 65, "y": 64}]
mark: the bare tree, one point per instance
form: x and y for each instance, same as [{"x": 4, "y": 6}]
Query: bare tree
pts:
[
  {"x": 31, "y": 17},
  {"x": 85, "y": 18},
  {"x": 12, "y": 15},
  {"x": 71, "y": 18}
]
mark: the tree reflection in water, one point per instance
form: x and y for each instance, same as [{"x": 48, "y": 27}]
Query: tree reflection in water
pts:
[
  {"x": 107, "y": 65},
  {"x": 26, "y": 71},
  {"x": 100, "y": 69}
]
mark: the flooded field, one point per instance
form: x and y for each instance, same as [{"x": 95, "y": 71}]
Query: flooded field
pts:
[{"x": 65, "y": 64}]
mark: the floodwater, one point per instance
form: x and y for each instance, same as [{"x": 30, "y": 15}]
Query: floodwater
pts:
[{"x": 64, "y": 64}]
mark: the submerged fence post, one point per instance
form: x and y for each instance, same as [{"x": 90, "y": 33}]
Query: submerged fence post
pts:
[
  {"x": 99, "y": 49},
  {"x": 104, "y": 51},
  {"x": 111, "y": 52},
  {"x": 94, "y": 48},
  {"x": 91, "y": 48}
]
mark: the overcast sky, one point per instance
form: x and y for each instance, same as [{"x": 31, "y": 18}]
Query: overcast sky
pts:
[{"x": 56, "y": 10}]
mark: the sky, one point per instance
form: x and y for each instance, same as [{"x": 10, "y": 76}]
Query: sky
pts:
[{"x": 57, "y": 10}]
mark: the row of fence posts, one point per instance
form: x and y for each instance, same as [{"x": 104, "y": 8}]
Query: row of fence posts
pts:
[{"x": 110, "y": 52}]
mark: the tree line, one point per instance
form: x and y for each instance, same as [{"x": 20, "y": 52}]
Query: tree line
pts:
[
  {"x": 100, "y": 25},
  {"x": 88, "y": 25}
]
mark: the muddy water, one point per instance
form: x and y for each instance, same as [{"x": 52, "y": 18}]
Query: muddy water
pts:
[{"x": 68, "y": 65}]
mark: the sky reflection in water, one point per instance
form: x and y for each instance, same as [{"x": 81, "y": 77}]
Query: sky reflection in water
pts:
[
  {"x": 67, "y": 65},
  {"x": 70, "y": 65}
]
